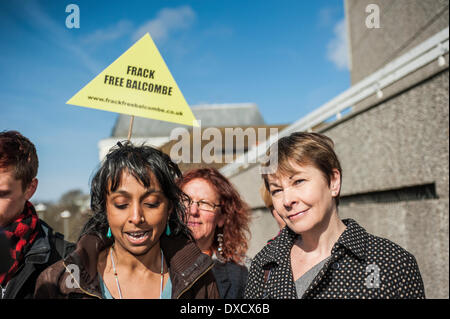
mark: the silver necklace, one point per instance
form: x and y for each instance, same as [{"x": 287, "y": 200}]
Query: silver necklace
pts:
[{"x": 117, "y": 278}]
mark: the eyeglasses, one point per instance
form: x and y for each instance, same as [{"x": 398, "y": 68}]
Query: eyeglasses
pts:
[{"x": 201, "y": 204}]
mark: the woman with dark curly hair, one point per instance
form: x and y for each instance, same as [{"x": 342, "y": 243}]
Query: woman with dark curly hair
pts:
[
  {"x": 137, "y": 243},
  {"x": 218, "y": 219}
]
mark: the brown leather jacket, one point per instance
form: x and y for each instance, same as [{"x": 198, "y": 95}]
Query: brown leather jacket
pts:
[{"x": 76, "y": 276}]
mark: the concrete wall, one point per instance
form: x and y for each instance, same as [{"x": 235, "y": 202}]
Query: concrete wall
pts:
[
  {"x": 403, "y": 25},
  {"x": 400, "y": 142},
  {"x": 262, "y": 228}
]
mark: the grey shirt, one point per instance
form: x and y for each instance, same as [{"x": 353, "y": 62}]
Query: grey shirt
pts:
[{"x": 302, "y": 283}]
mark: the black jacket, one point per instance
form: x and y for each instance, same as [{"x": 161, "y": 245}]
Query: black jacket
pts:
[
  {"x": 361, "y": 266},
  {"x": 231, "y": 279},
  {"x": 47, "y": 248}
]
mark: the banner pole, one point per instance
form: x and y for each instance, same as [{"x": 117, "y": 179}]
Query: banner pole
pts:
[{"x": 130, "y": 129}]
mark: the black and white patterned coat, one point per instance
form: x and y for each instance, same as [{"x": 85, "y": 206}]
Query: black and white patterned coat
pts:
[{"x": 361, "y": 266}]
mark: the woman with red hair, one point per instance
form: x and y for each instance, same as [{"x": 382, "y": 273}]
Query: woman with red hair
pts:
[{"x": 218, "y": 219}]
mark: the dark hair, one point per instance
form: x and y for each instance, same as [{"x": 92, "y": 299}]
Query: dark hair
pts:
[
  {"x": 139, "y": 161},
  {"x": 237, "y": 213},
  {"x": 306, "y": 148},
  {"x": 17, "y": 151}
]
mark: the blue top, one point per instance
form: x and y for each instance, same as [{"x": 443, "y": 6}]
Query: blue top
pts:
[
  {"x": 166, "y": 293},
  {"x": 167, "y": 290}
]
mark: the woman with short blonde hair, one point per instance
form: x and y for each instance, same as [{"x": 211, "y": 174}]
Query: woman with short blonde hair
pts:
[{"x": 318, "y": 255}]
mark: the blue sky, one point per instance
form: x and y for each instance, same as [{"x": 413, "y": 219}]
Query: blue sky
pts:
[{"x": 288, "y": 57}]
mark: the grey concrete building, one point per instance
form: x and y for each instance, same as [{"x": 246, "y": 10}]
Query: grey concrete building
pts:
[{"x": 394, "y": 146}]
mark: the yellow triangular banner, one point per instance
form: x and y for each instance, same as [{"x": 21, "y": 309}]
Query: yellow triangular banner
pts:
[{"x": 137, "y": 83}]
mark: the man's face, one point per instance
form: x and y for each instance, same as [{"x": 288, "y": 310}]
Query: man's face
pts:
[{"x": 12, "y": 196}]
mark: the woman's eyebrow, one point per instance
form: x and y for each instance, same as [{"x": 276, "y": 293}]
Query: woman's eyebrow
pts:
[
  {"x": 121, "y": 192},
  {"x": 273, "y": 184},
  {"x": 150, "y": 192},
  {"x": 296, "y": 173}
]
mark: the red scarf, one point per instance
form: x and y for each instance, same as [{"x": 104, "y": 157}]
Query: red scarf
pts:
[{"x": 20, "y": 233}]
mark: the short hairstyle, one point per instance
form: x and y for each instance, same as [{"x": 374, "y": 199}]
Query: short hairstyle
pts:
[
  {"x": 237, "y": 213},
  {"x": 17, "y": 151},
  {"x": 305, "y": 149},
  {"x": 139, "y": 161}
]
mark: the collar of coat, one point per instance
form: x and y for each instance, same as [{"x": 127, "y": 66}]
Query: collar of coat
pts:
[
  {"x": 185, "y": 261},
  {"x": 353, "y": 239}
]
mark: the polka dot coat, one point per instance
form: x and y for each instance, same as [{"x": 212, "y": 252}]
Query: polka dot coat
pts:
[{"x": 361, "y": 266}]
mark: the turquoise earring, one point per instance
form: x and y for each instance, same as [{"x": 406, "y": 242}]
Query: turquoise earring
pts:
[
  {"x": 168, "y": 232},
  {"x": 109, "y": 235}
]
